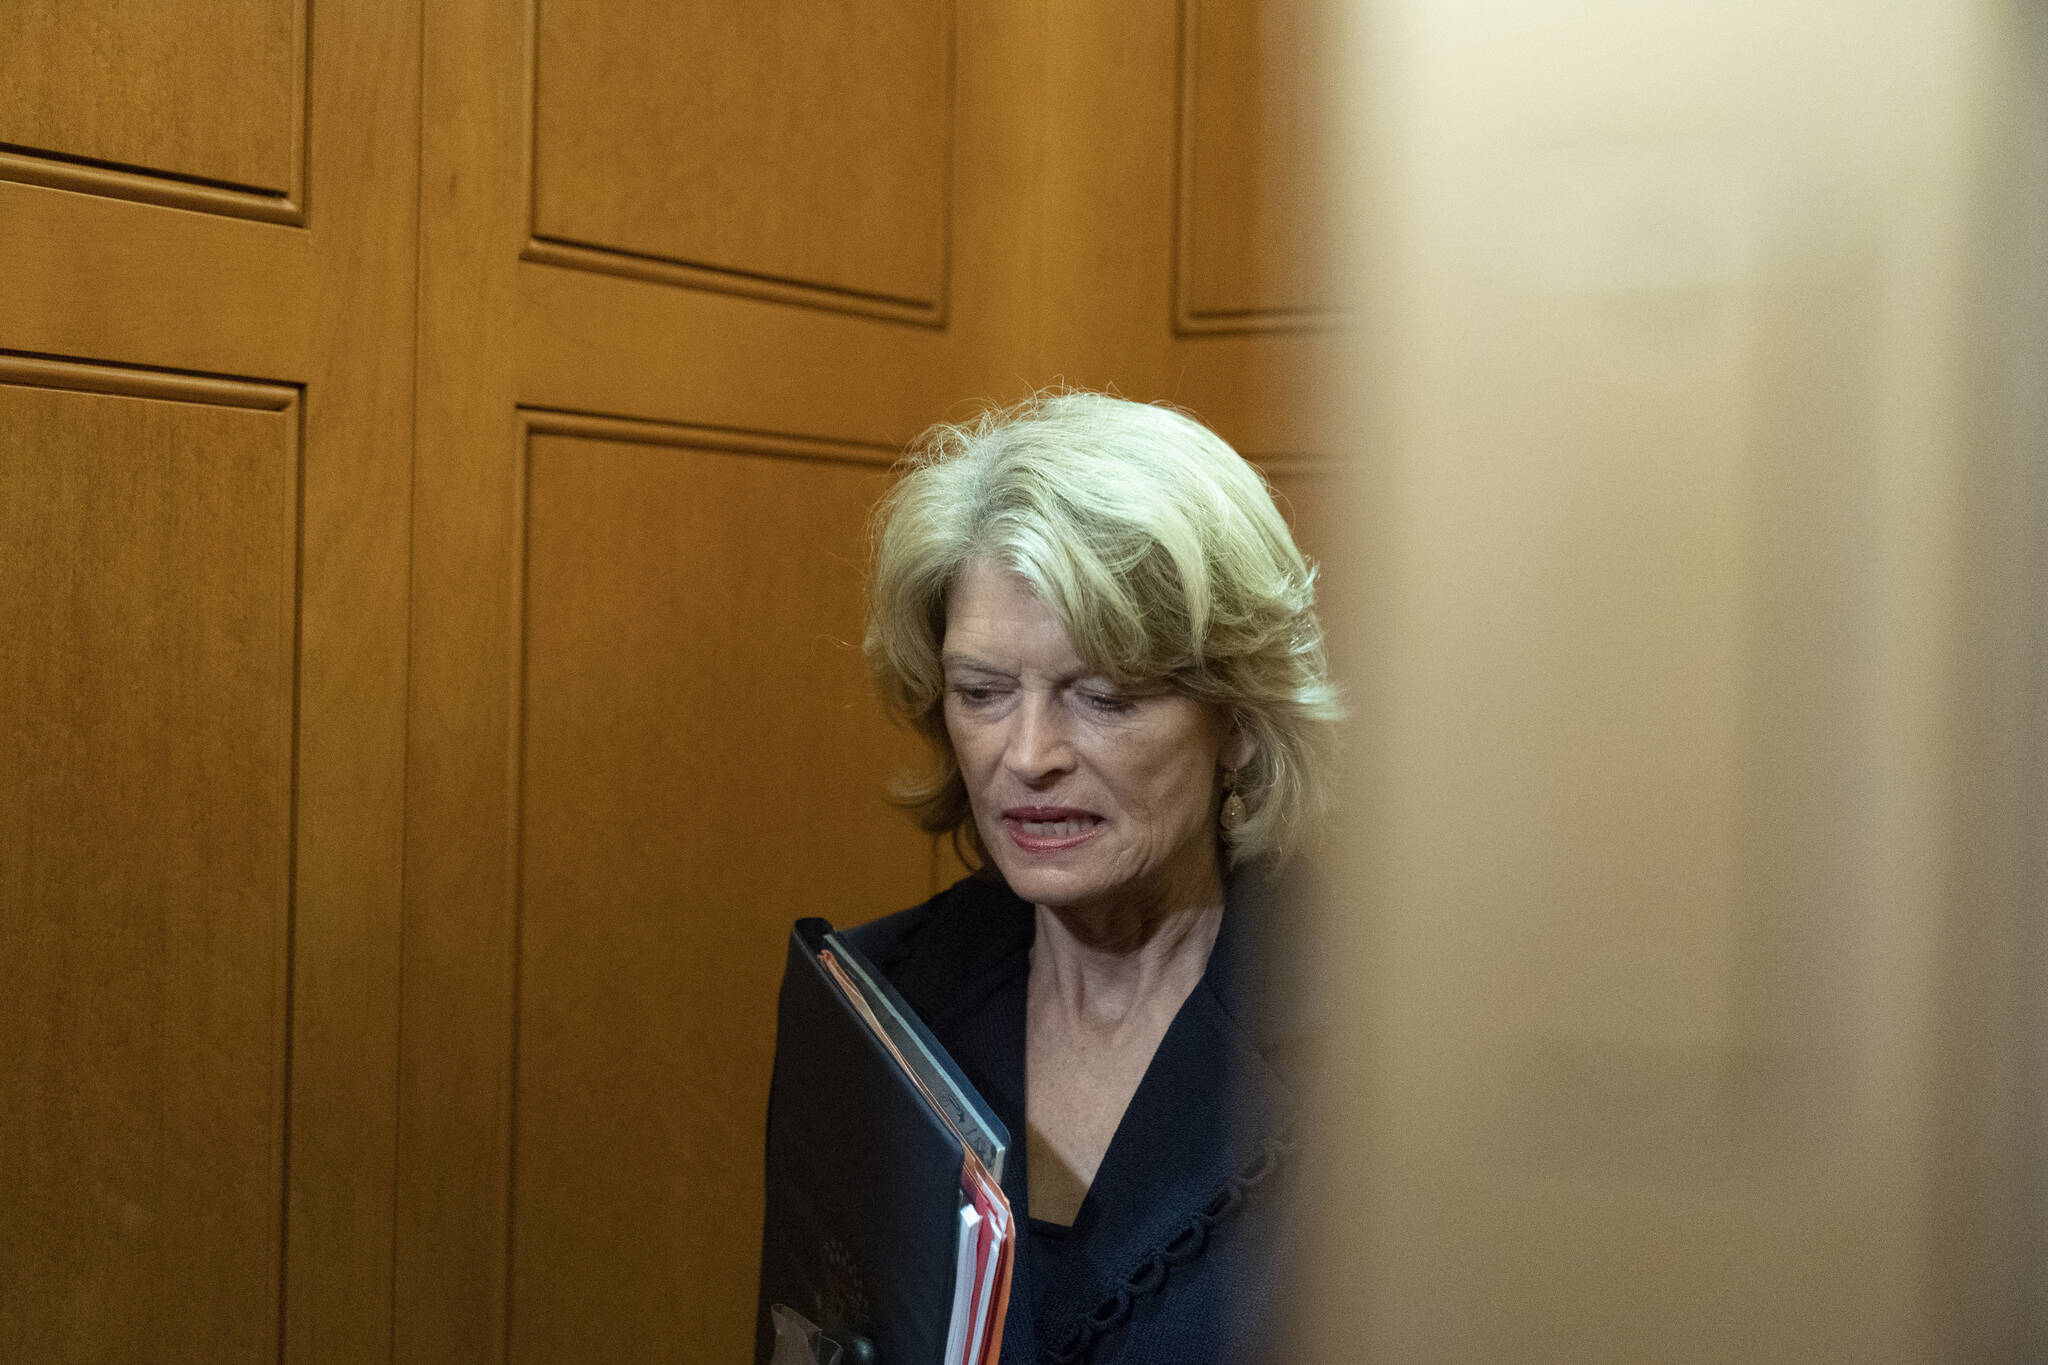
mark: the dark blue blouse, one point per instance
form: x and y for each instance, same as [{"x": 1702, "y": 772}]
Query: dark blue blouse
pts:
[{"x": 1184, "y": 1250}]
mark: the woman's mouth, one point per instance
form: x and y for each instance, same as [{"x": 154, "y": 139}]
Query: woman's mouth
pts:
[{"x": 1048, "y": 829}]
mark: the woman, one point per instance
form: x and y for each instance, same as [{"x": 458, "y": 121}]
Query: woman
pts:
[{"x": 1092, "y": 611}]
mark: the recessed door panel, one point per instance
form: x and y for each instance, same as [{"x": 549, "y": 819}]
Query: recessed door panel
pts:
[
  {"x": 147, "y": 600},
  {"x": 685, "y": 797},
  {"x": 751, "y": 147},
  {"x": 211, "y": 93}
]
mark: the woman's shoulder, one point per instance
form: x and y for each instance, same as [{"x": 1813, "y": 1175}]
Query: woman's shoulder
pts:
[
  {"x": 968, "y": 911},
  {"x": 884, "y": 941},
  {"x": 974, "y": 925}
]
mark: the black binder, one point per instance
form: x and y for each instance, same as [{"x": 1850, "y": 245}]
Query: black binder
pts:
[{"x": 868, "y": 1170}]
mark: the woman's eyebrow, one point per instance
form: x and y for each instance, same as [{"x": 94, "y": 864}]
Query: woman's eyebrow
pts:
[
  {"x": 971, "y": 664},
  {"x": 954, "y": 663}
]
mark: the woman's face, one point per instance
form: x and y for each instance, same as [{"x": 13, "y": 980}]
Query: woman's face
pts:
[{"x": 1088, "y": 796}]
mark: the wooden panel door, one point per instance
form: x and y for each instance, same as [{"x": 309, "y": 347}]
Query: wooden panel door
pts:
[
  {"x": 1170, "y": 237},
  {"x": 690, "y": 276},
  {"x": 206, "y": 238}
]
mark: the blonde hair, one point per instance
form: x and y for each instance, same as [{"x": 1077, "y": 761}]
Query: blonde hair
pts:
[{"x": 1160, "y": 551}]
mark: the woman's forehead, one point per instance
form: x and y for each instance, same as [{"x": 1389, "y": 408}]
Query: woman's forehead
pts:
[
  {"x": 987, "y": 599},
  {"x": 996, "y": 617},
  {"x": 996, "y": 622},
  {"x": 1004, "y": 643}
]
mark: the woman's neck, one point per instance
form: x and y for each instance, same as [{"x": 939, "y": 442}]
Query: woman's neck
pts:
[{"x": 1100, "y": 972}]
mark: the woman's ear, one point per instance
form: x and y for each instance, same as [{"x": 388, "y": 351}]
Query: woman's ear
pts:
[{"x": 1237, "y": 745}]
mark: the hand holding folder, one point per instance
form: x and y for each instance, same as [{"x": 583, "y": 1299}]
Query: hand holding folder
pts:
[{"x": 886, "y": 1226}]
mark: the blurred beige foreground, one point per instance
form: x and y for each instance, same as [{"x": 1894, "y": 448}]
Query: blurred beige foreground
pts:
[{"x": 1695, "y": 840}]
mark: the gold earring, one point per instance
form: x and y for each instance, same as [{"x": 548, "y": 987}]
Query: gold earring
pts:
[{"x": 1233, "y": 813}]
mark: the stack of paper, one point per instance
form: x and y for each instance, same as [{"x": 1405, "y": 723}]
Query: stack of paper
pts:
[{"x": 886, "y": 1222}]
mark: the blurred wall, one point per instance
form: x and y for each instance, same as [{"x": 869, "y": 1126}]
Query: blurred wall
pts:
[{"x": 1692, "y": 940}]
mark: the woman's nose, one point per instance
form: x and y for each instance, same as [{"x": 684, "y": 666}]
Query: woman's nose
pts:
[{"x": 1039, "y": 746}]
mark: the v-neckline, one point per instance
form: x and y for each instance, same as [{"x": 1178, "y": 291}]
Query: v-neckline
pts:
[
  {"x": 1078, "y": 1223},
  {"x": 1208, "y": 1103}
]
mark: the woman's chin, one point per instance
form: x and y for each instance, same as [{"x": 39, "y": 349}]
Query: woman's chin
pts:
[{"x": 1041, "y": 884}]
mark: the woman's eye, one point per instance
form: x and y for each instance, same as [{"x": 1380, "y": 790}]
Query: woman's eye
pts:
[
  {"x": 974, "y": 694},
  {"x": 1110, "y": 703}
]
